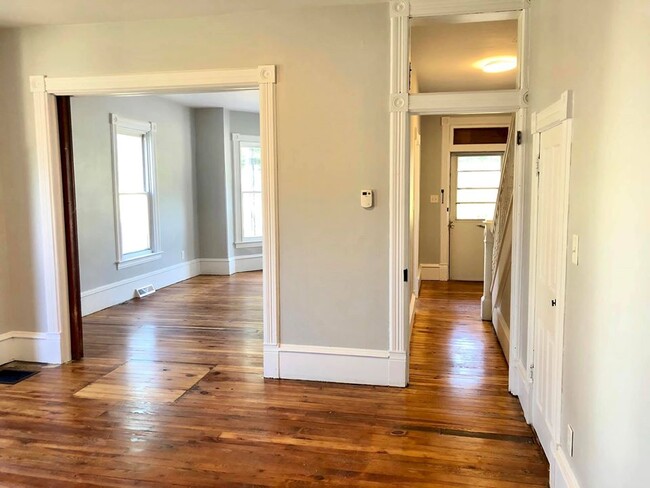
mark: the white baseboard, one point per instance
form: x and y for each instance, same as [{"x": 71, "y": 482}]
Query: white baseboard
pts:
[
  {"x": 430, "y": 272},
  {"x": 252, "y": 262},
  {"x": 562, "y": 476},
  {"x": 521, "y": 386},
  {"x": 335, "y": 364},
  {"x": 37, "y": 347},
  {"x": 114, "y": 293},
  {"x": 503, "y": 331},
  {"x": 212, "y": 266},
  {"x": 228, "y": 266}
]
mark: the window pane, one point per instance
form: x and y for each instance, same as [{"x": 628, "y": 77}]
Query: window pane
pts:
[
  {"x": 477, "y": 196},
  {"x": 490, "y": 162},
  {"x": 479, "y": 179},
  {"x": 481, "y": 135},
  {"x": 134, "y": 223},
  {"x": 475, "y": 211},
  {"x": 251, "y": 207},
  {"x": 251, "y": 168},
  {"x": 130, "y": 163}
]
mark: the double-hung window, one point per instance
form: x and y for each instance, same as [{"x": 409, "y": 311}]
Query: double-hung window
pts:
[
  {"x": 134, "y": 180},
  {"x": 247, "y": 176}
]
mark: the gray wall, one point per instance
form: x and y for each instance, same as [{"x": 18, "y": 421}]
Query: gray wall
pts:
[
  {"x": 94, "y": 184},
  {"x": 602, "y": 55},
  {"x": 332, "y": 125},
  {"x": 211, "y": 198},
  {"x": 213, "y": 153},
  {"x": 430, "y": 184}
]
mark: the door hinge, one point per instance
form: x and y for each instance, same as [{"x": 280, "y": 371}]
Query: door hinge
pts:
[
  {"x": 537, "y": 164},
  {"x": 531, "y": 370},
  {"x": 553, "y": 302},
  {"x": 406, "y": 276},
  {"x": 520, "y": 136}
]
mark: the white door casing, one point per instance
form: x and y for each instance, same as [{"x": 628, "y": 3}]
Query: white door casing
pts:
[{"x": 549, "y": 276}]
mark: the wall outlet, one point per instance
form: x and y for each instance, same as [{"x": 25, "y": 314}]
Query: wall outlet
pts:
[
  {"x": 435, "y": 199},
  {"x": 183, "y": 254},
  {"x": 569, "y": 439}
]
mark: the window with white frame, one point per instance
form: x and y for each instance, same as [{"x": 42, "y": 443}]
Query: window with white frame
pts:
[
  {"x": 247, "y": 176},
  {"x": 134, "y": 176}
]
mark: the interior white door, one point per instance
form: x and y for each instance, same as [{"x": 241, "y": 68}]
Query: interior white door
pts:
[
  {"x": 550, "y": 271},
  {"x": 474, "y": 186}
]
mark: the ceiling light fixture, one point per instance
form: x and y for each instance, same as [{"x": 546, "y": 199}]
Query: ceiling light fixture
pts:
[{"x": 497, "y": 64}]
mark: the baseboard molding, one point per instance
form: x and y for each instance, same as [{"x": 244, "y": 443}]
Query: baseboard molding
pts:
[
  {"x": 335, "y": 364},
  {"x": 115, "y": 293},
  {"x": 522, "y": 387},
  {"x": 562, "y": 475},
  {"x": 37, "y": 347},
  {"x": 430, "y": 272},
  {"x": 112, "y": 294},
  {"x": 503, "y": 331},
  {"x": 228, "y": 266}
]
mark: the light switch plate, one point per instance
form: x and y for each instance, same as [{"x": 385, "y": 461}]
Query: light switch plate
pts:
[
  {"x": 435, "y": 199},
  {"x": 574, "y": 249}
]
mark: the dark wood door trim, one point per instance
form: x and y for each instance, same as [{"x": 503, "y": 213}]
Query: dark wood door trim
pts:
[{"x": 70, "y": 220}]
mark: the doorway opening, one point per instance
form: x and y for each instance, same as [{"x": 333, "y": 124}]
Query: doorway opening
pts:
[{"x": 166, "y": 191}]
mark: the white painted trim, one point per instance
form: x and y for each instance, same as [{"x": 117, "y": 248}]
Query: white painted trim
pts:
[
  {"x": 37, "y": 347},
  {"x": 562, "y": 475},
  {"x": 552, "y": 115},
  {"x": 487, "y": 148},
  {"x": 336, "y": 364},
  {"x": 112, "y": 294},
  {"x": 502, "y": 329},
  {"x": 458, "y": 103},
  {"x": 447, "y": 147},
  {"x": 51, "y": 279},
  {"x": 135, "y": 261},
  {"x": 433, "y": 8},
  {"x": 430, "y": 272},
  {"x": 248, "y": 244},
  {"x": 522, "y": 385},
  {"x": 232, "y": 265},
  {"x": 412, "y": 304},
  {"x": 244, "y": 263},
  {"x": 398, "y": 190},
  {"x": 237, "y": 140},
  {"x": 147, "y": 130}
]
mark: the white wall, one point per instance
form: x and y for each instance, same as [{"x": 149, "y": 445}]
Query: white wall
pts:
[
  {"x": 332, "y": 126},
  {"x": 94, "y": 184},
  {"x": 600, "y": 51}
]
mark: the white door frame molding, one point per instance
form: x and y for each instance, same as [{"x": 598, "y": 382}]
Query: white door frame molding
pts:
[
  {"x": 52, "y": 296},
  {"x": 401, "y": 106},
  {"x": 448, "y": 147},
  {"x": 559, "y": 113}
]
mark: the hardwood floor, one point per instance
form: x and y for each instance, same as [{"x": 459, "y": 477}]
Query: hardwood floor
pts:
[{"x": 454, "y": 426}]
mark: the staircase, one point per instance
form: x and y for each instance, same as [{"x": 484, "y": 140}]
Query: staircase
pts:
[{"x": 498, "y": 252}]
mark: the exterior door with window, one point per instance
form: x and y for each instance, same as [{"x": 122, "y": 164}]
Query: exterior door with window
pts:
[{"x": 475, "y": 182}]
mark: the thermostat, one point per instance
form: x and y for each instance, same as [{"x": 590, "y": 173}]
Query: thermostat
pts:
[{"x": 367, "y": 198}]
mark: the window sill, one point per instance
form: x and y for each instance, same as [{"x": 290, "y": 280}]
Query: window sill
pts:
[
  {"x": 135, "y": 261},
  {"x": 248, "y": 244}
]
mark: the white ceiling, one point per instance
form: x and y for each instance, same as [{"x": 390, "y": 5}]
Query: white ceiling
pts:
[
  {"x": 16, "y": 13},
  {"x": 443, "y": 54},
  {"x": 242, "y": 100}
]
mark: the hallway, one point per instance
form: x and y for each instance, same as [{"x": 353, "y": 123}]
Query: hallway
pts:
[{"x": 454, "y": 426}]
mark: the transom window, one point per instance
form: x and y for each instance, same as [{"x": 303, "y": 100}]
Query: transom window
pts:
[
  {"x": 135, "y": 191},
  {"x": 248, "y": 190},
  {"x": 477, "y": 186}
]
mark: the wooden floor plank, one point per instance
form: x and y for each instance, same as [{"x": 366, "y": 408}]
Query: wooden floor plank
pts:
[{"x": 456, "y": 425}]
